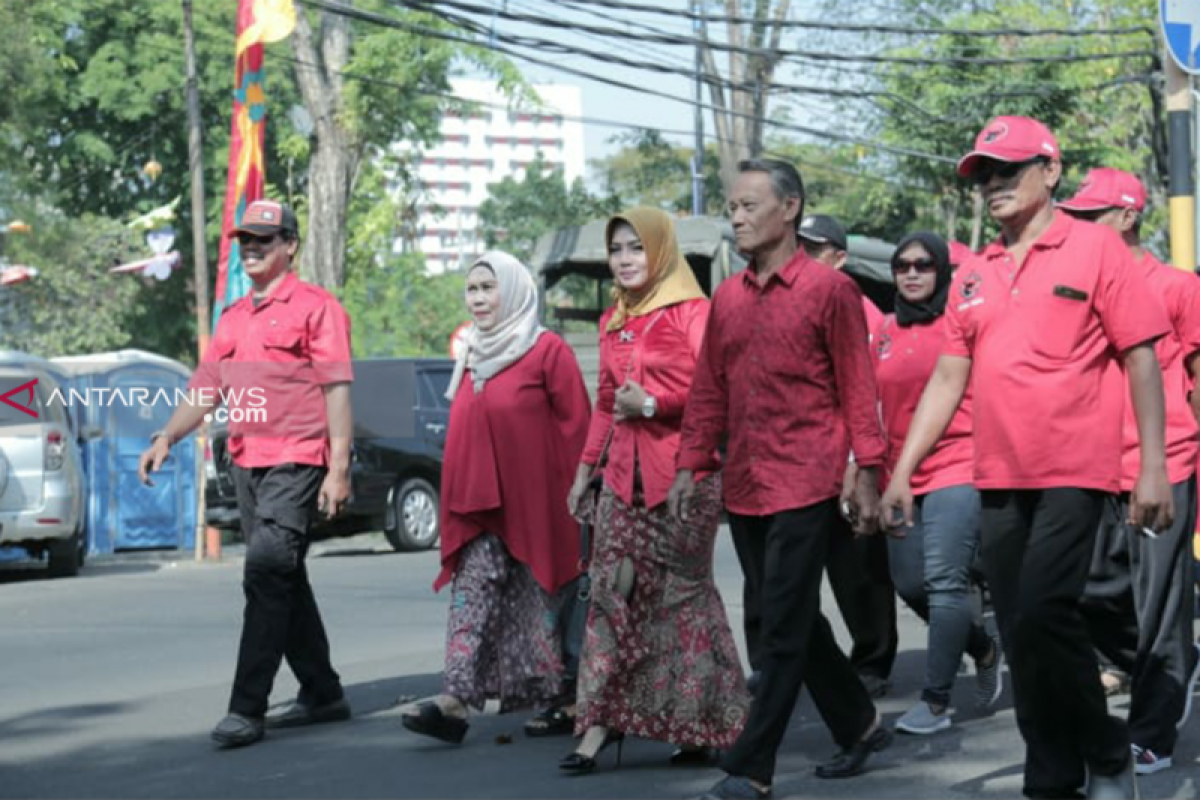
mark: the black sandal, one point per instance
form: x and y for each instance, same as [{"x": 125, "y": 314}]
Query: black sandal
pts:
[
  {"x": 432, "y": 721},
  {"x": 550, "y": 722}
]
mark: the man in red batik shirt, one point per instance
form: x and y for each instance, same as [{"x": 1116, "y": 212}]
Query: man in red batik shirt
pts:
[{"x": 785, "y": 373}]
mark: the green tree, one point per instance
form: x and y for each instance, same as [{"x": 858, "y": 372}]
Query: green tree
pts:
[
  {"x": 648, "y": 170},
  {"x": 518, "y": 212},
  {"x": 73, "y": 305}
]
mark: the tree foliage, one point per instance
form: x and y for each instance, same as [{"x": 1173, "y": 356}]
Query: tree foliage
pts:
[{"x": 650, "y": 171}]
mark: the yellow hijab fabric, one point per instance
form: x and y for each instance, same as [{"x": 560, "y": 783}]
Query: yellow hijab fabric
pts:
[{"x": 671, "y": 280}]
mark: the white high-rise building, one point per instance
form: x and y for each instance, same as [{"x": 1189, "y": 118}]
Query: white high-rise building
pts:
[{"x": 482, "y": 147}]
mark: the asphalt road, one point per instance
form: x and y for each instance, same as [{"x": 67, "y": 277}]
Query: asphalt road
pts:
[{"x": 110, "y": 682}]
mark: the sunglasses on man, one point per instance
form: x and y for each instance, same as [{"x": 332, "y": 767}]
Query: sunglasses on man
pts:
[
  {"x": 244, "y": 238},
  {"x": 1004, "y": 170},
  {"x": 923, "y": 266}
]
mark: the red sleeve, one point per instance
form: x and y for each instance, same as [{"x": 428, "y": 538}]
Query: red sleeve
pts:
[
  {"x": 207, "y": 376},
  {"x": 854, "y": 374},
  {"x": 958, "y": 339},
  {"x": 568, "y": 396},
  {"x": 1128, "y": 310},
  {"x": 329, "y": 343},
  {"x": 694, "y": 318},
  {"x": 1183, "y": 306},
  {"x": 704, "y": 417},
  {"x": 606, "y": 398}
]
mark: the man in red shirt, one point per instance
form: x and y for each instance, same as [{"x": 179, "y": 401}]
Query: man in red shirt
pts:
[
  {"x": 857, "y": 566},
  {"x": 785, "y": 373},
  {"x": 280, "y": 364},
  {"x": 1041, "y": 323},
  {"x": 1140, "y": 597}
]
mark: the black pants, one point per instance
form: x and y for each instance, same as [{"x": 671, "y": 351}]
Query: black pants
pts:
[
  {"x": 1037, "y": 547},
  {"x": 796, "y": 644},
  {"x": 1140, "y": 604},
  {"x": 861, "y": 580},
  {"x": 277, "y": 505}
]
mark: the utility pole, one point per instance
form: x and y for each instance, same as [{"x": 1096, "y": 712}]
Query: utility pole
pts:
[
  {"x": 200, "y": 260},
  {"x": 698, "y": 156},
  {"x": 1182, "y": 203}
]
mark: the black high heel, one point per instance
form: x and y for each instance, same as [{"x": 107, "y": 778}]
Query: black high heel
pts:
[{"x": 578, "y": 764}]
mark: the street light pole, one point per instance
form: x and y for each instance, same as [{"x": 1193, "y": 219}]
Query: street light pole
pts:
[
  {"x": 200, "y": 260},
  {"x": 698, "y": 156}
]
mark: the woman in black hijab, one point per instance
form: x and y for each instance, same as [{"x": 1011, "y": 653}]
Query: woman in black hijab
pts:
[{"x": 931, "y": 561}]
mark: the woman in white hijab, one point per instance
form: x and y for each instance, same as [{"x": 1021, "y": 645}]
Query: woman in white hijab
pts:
[{"x": 518, "y": 422}]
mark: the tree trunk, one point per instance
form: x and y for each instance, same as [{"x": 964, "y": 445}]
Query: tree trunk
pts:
[
  {"x": 739, "y": 113},
  {"x": 336, "y": 155}
]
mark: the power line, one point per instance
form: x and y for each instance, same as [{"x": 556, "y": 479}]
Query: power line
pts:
[
  {"x": 378, "y": 19},
  {"x": 432, "y": 7},
  {"x": 850, "y": 27}
]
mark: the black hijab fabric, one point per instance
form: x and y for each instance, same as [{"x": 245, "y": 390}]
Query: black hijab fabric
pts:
[{"x": 927, "y": 311}]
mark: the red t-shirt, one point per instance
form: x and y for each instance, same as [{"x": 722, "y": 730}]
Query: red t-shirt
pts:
[
  {"x": 904, "y": 359},
  {"x": 785, "y": 371},
  {"x": 270, "y": 363},
  {"x": 1179, "y": 293},
  {"x": 1044, "y": 338},
  {"x": 874, "y": 315}
]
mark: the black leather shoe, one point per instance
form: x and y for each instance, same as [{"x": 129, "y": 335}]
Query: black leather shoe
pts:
[
  {"x": 736, "y": 787},
  {"x": 298, "y": 714},
  {"x": 695, "y": 756},
  {"x": 431, "y": 721},
  {"x": 237, "y": 730},
  {"x": 851, "y": 760},
  {"x": 579, "y": 764}
]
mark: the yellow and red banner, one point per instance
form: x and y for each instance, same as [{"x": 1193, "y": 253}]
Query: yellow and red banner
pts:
[{"x": 258, "y": 22}]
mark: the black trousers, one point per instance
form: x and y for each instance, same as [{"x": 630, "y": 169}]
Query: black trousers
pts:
[
  {"x": 277, "y": 505},
  {"x": 1037, "y": 548},
  {"x": 796, "y": 643},
  {"x": 861, "y": 580},
  {"x": 1140, "y": 605}
]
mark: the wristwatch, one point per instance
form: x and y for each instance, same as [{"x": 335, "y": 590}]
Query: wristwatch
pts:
[{"x": 649, "y": 406}]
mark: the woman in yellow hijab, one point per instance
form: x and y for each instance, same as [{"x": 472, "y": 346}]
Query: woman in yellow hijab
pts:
[{"x": 659, "y": 660}]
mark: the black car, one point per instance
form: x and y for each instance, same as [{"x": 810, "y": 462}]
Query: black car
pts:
[{"x": 400, "y": 417}]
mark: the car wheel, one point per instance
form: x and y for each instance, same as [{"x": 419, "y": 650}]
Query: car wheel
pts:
[
  {"x": 415, "y": 507},
  {"x": 66, "y": 556}
]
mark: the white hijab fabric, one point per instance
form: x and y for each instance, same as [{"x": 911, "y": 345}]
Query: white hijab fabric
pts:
[{"x": 486, "y": 353}]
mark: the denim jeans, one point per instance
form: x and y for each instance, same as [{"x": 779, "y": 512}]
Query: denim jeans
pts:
[{"x": 931, "y": 569}]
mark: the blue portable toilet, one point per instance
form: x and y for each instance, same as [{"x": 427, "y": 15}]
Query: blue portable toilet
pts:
[{"x": 126, "y": 396}]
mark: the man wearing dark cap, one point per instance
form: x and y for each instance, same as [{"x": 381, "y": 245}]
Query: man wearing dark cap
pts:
[
  {"x": 1041, "y": 323},
  {"x": 857, "y": 566},
  {"x": 280, "y": 364},
  {"x": 1140, "y": 597}
]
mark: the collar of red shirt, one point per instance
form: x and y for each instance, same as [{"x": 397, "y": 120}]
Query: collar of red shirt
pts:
[
  {"x": 1052, "y": 237},
  {"x": 280, "y": 294},
  {"x": 787, "y": 274}
]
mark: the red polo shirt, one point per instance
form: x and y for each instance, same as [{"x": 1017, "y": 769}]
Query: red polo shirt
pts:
[
  {"x": 904, "y": 359},
  {"x": 1045, "y": 338},
  {"x": 273, "y": 360},
  {"x": 1179, "y": 293},
  {"x": 785, "y": 372}
]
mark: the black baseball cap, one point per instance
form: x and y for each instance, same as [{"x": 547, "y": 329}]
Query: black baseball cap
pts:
[{"x": 823, "y": 229}]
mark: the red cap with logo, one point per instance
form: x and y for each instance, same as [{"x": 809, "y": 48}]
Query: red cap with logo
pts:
[
  {"x": 1105, "y": 187},
  {"x": 1010, "y": 139},
  {"x": 265, "y": 218}
]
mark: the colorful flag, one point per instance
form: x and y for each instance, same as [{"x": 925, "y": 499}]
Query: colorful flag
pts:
[{"x": 258, "y": 21}]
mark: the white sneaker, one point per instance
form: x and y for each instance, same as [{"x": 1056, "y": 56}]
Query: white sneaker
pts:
[
  {"x": 1145, "y": 762},
  {"x": 1189, "y": 690},
  {"x": 921, "y": 720},
  {"x": 989, "y": 682}
]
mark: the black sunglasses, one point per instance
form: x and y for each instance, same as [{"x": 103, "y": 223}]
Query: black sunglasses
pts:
[
  {"x": 244, "y": 238},
  {"x": 1004, "y": 170},
  {"x": 923, "y": 266}
]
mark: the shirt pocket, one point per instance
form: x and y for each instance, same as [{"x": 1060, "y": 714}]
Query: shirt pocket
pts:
[
  {"x": 283, "y": 344},
  {"x": 1058, "y": 325}
]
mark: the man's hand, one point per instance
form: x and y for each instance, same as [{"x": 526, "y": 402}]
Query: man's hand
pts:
[
  {"x": 630, "y": 398},
  {"x": 866, "y": 501},
  {"x": 335, "y": 491},
  {"x": 896, "y": 507},
  {"x": 152, "y": 459},
  {"x": 680, "y": 495},
  {"x": 1150, "y": 504}
]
